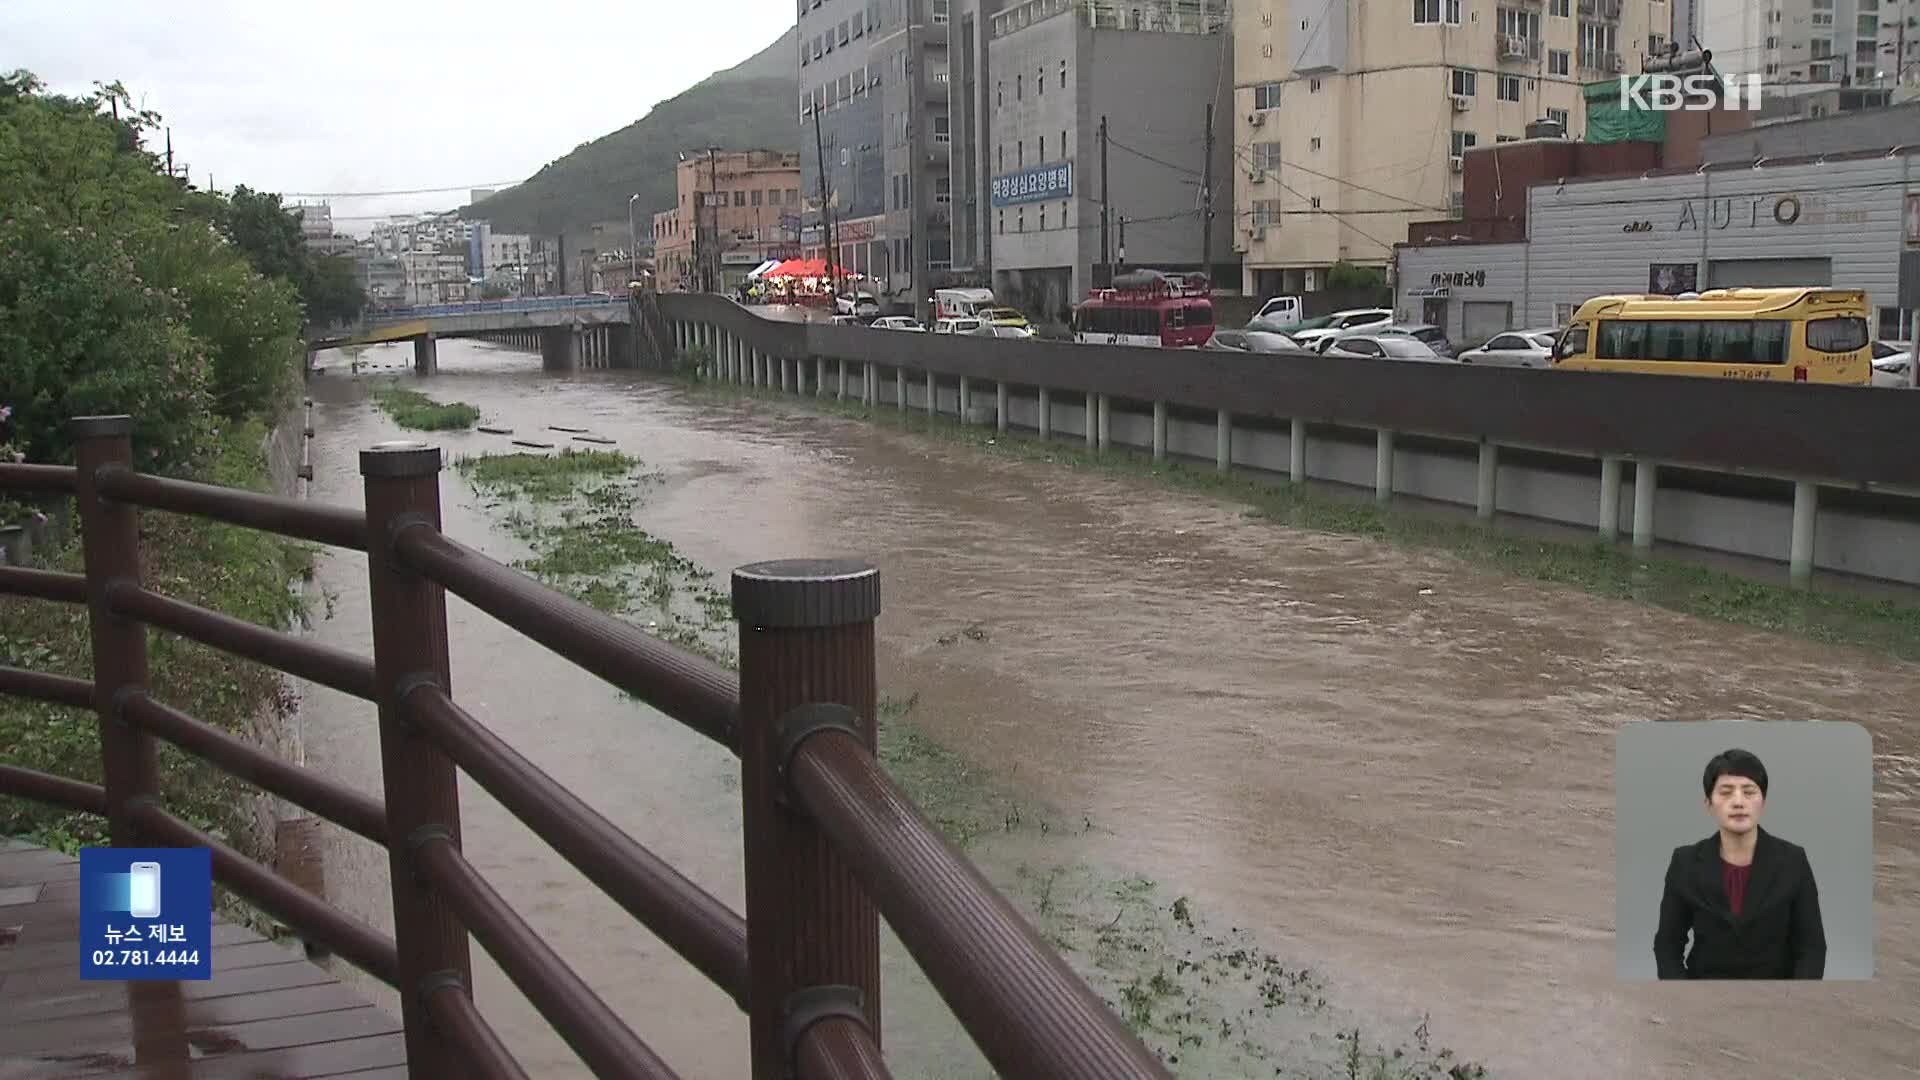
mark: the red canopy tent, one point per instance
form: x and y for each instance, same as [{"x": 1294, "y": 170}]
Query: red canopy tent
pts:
[{"x": 799, "y": 268}]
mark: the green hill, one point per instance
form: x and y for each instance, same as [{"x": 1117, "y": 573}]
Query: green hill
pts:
[{"x": 750, "y": 106}]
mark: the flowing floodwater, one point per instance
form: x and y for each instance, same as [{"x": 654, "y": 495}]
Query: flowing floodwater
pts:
[{"x": 1385, "y": 765}]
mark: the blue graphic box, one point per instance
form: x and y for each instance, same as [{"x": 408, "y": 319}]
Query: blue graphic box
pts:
[{"x": 146, "y": 913}]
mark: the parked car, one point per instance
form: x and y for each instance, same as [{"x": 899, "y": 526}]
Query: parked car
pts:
[
  {"x": 1426, "y": 333},
  {"x": 1339, "y": 321},
  {"x": 860, "y": 305},
  {"x": 1385, "y": 346},
  {"x": 899, "y": 322},
  {"x": 1515, "y": 348},
  {"x": 845, "y": 320},
  {"x": 1893, "y": 363},
  {"x": 1009, "y": 330},
  {"x": 1255, "y": 337},
  {"x": 965, "y": 325}
]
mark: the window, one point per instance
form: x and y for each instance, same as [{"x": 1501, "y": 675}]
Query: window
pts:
[
  {"x": 942, "y": 191},
  {"x": 1018, "y": 82},
  {"x": 1313, "y": 86},
  {"x": 1266, "y": 213},
  {"x": 1003, "y": 223},
  {"x": 1042, "y": 151},
  {"x": 1020, "y": 154},
  {"x": 846, "y": 87},
  {"x": 859, "y": 26},
  {"x": 1596, "y": 41},
  {"x": 942, "y": 130},
  {"x": 1314, "y": 143},
  {"x": 1559, "y": 9},
  {"x": 1020, "y": 220},
  {"x": 1508, "y": 88},
  {"x": 1656, "y": 45},
  {"x": 1266, "y": 155},
  {"x": 1063, "y": 74},
  {"x": 755, "y": 196},
  {"x": 999, "y": 94},
  {"x": 1433, "y": 12},
  {"x": 1837, "y": 334},
  {"x": 739, "y": 198},
  {"x": 1266, "y": 96},
  {"x": 1519, "y": 23},
  {"x": 1559, "y": 116},
  {"x": 1727, "y": 341},
  {"x": 1314, "y": 202},
  {"x": 939, "y": 12},
  {"x": 1506, "y": 138},
  {"x": 1064, "y": 152},
  {"x": 1462, "y": 141},
  {"x": 1039, "y": 82},
  {"x": 1558, "y": 61},
  {"x": 1043, "y": 219},
  {"x": 845, "y": 29},
  {"x": 1463, "y": 82},
  {"x": 1000, "y": 157}
]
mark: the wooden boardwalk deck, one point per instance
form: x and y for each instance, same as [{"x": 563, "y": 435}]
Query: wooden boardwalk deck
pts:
[{"x": 266, "y": 1013}]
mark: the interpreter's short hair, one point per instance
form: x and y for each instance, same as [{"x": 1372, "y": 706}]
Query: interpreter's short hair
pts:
[{"x": 1734, "y": 763}]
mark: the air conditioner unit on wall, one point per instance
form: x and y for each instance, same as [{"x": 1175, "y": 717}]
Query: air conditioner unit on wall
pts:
[
  {"x": 1462, "y": 102},
  {"x": 1453, "y": 162},
  {"x": 1255, "y": 119},
  {"x": 1257, "y": 176},
  {"x": 1616, "y": 63}
]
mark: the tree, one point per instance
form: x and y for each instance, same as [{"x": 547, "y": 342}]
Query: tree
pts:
[
  {"x": 333, "y": 293},
  {"x": 493, "y": 290},
  {"x": 270, "y": 234}
]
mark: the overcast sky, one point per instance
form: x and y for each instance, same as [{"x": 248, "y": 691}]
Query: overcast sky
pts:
[{"x": 365, "y": 96}]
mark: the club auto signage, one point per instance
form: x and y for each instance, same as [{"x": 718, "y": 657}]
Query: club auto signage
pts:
[{"x": 1791, "y": 210}]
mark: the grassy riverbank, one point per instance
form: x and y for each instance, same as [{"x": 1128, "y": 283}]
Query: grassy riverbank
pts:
[
  {"x": 1832, "y": 616},
  {"x": 576, "y": 512},
  {"x": 415, "y": 410},
  {"x": 240, "y": 572},
  {"x": 1211, "y": 999}
]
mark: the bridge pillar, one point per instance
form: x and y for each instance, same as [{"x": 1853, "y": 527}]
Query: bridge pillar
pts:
[
  {"x": 560, "y": 348},
  {"x": 426, "y": 355},
  {"x": 1806, "y": 505},
  {"x": 1159, "y": 431},
  {"x": 625, "y": 342},
  {"x": 900, "y": 388},
  {"x": 1383, "y": 467},
  {"x": 1487, "y": 499},
  {"x": 1091, "y": 424},
  {"x": 1223, "y": 441},
  {"x": 1297, "y": 451},
  {"x": 1046, "y": 414},
  {"x": 1610, "y": 498}
]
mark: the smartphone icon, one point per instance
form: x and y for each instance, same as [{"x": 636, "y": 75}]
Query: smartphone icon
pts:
[{"x": 143, "y": 890}]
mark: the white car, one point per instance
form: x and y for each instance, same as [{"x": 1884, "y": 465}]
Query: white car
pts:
[
  {"x": 1386, "y": 346},
  {"x": 860, "y": 305},
  {"x": 1515, "y": 348},
  {"x": 1252, "y": 339},
  {"x": 899, "y": 322},
  {"x": 1893, "y": 363},
  {"x": 964, "y": 325},
  {"x": 1341, "y": 321}
]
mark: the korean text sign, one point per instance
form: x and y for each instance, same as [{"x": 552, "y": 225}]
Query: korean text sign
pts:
[{"x": 146, "y": 913}]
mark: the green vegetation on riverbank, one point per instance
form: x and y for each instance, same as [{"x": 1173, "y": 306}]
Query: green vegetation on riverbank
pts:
[
  {"x": 418, "y": 412},
  {"x": 576, "y": 511},
  {"x": 1832, "y": 616},
  {"x": 241, "y": 572},
  {"x": 1212, "y": 1001}
]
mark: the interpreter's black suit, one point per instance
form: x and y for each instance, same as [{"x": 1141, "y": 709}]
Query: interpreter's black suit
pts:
[{"x": 1777, "y": 935}]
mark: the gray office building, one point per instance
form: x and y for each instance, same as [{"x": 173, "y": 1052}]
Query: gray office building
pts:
[
  {"x": 873, "y": 80},
  {"x": 969, "y": 104},
  {"x": 1054, "y": 69}
]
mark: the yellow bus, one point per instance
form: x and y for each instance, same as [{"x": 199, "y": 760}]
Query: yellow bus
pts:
[{"x": 1793, "y": 334}]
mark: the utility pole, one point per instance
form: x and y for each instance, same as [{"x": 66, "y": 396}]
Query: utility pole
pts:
[
  {"x": 1206, "y": 205},
  {"x": 826, "y": 229},
  {"x": 1104, "y": 278},
  {"x": 1123, "y": 243},
  {"x": 709, "y": 268},
  {"x": 169, "y": 153}
]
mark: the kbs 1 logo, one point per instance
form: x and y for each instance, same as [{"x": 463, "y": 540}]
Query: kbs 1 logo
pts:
[{"x": 1690, "y": 93}]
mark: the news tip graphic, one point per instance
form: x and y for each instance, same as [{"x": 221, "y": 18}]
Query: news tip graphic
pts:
[{"x": 146, "y": 913}]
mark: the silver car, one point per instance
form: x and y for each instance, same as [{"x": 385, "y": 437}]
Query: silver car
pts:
[
  {"x": 1515, "y": 348},
  {"x": 1387, "y": 347},
  {"x": 1252, "y": 338}
]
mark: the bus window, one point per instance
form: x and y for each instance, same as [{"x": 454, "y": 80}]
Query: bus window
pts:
[
  {"x": 1574, "y": 342},
  {"x": 1177, "y": 317},
  {"x": 1201, "y": 315},
  {"x": 1837, "y": 335},
  {"x": 1621, "y": 340}
]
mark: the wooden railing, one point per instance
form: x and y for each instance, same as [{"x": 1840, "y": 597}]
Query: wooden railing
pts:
[{"x": 832, "y": 844}]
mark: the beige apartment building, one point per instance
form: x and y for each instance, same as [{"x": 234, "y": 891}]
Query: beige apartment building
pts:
[
  {"x": 1350, "y": 119},
  {"x": 733, "y": 210}
]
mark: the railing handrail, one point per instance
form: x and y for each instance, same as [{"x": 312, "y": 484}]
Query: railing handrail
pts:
[{"x": 841, "y": 805}]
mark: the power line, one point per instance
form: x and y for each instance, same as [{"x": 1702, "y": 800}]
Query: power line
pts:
[
  {"x": 382, "y": 194},
  {"x": 1118, "y": 145}
]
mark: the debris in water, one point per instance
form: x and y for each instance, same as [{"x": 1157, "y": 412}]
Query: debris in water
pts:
[
  {"x": 495, "y": 430},
  {"x": 1425, "y": 591},
  {"x": 976, "y": 632},
  {"x": 593, "y": 439},
  {"x": 570, "y": 430},
  {"x": 534, "y": 445}
]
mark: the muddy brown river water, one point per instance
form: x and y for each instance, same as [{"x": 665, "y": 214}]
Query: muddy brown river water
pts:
[{"x": 1408, "y": 791}]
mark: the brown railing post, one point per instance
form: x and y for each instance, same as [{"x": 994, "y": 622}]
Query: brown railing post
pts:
[
  {"x": 110, "y": 544},
  {"x": 409, "y": 647},
  {"x": 806, "y": 662},
  {"x": 129, "y": 761}
]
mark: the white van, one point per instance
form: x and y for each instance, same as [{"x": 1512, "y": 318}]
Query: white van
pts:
[{"x": 961, "y": 303}]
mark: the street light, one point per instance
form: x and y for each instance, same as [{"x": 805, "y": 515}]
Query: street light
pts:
[{"x": 633, "y": 242}]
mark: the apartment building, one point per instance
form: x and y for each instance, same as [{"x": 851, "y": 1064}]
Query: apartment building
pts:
[
  {"x": 1799, "y": 43},
  {"x": 1351, "y": 120},
  {"x": 873, "y": 117},
  {"x": 732, "y": 211},
  {"x": 1149, "y": 68},
  {"x": 969, "y": 109}
]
